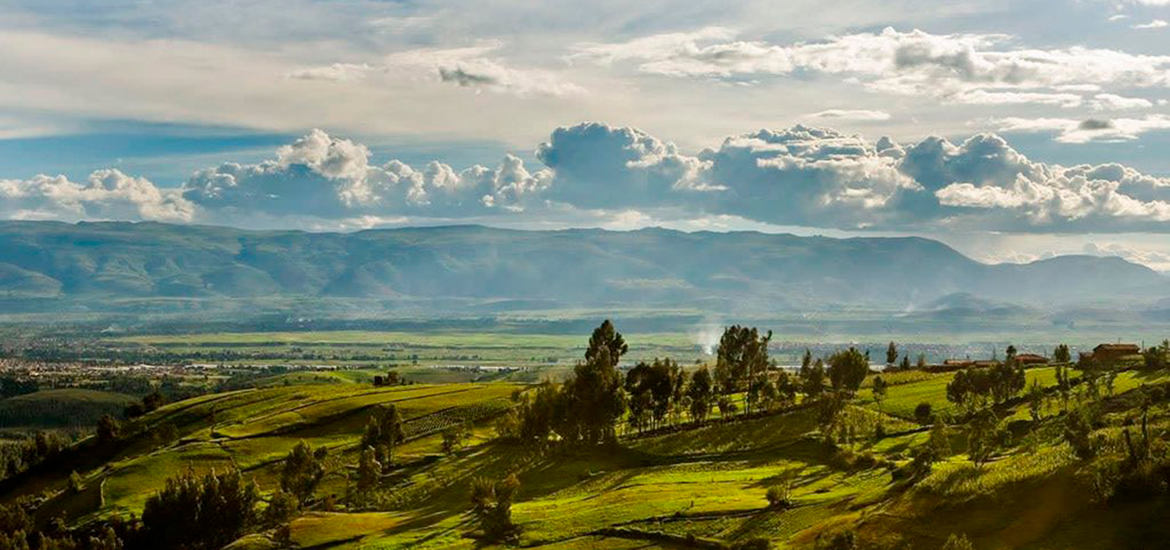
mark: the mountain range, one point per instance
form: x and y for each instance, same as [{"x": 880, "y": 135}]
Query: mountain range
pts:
[{"x": 100, "y": 266}]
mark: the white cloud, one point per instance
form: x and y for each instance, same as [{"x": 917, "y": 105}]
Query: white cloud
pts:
[
  {"x": 851, "y": 114},
  {"x": 105, "y": 195},
  {"x": 1155, "y": 24},
  {"x": 475, "y": 67},
  {"x": 1113, "y": 102},
  {"x": 326, "y": 177},
  {"x": 337, "y": 72},
  {"x": 799, "y": 176},
  {"x": 1088, "y": 130},
  {"x": 964, "y": 68}
]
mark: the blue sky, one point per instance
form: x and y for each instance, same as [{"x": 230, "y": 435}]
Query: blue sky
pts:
[{"x": 800, "y": 116}]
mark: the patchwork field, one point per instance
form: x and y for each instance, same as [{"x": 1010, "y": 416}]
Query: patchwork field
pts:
[{"x": 685, "y": 485}]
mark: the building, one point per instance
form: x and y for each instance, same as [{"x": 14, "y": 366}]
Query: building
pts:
[
  {"x": 1112, "y": 353},
  {"x": 1031, "y": 359}
]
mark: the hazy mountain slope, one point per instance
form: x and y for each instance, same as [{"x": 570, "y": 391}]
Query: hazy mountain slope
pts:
[{"x": 96, "y": 262}]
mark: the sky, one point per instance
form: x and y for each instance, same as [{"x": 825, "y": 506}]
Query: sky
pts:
[{"x": 1011, "y": 130}]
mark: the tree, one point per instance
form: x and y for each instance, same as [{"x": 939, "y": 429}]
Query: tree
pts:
[
  {"x": 652, "y": 387},
  {"x": 936, "y": 448},
  {"x": 1035, "y": 400},
  {"x": 369, "y": 472},
  {"x": 1155, "y": 358},
  {"x": 921, "y": 361},
  {"x": 454, "y": 437},
  {"x": 606, "y": 339},
  {"x": 303, "y": 470},
  {"x": 282, "y": 507},
  {"x": 891, "y": 354},
  {"x": 741, "y": 357},
  {"x": 592, "y": 400},
  {"x": 813, "y": 380},
  {"x": 384, "y": 431},
  {"x": 1078, "y": 432},
  {"x": 108, "y": 429},
  {"x": 879, "y": 391},
  {"x": 1061, "y": 354},
  {"x": 700, "y": 392},
  {"x": 1063, "y": 385},
  {"x": 491, "y": 504},
  {"x": 199, "y": 513},
  {"x": 984, "y": 437},
  {"x": 905, "y": 363},
  {"x": 847, "y": 369}
]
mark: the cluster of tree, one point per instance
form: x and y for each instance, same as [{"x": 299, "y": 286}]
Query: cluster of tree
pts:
[
  {"x": 384, "y": 431},
  {"x": 26, "y": 452},
  {"x": 150, "y": 403},
  {"x": 975, "y": 389},
  {"x": 52, "y": 412},
  {"x": 302, "y": 471},
  {"x": 1157, "y": 357},
  {"x": 199, "y": 513},
  {"x": 589, "y": 406},
  {"x": 392, "y": 378},
  {"x": 655, "y": 390},
  {"x": 12, "y": 386},
  {"x": 18, "y": 531}
]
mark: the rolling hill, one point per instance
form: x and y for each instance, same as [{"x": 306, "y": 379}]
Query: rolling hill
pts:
[{"x": 147, "y": 267}]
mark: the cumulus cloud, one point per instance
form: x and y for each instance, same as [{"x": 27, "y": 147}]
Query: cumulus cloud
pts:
[
  {"x": 964, "y": 68},
  {"x": 600, "y": 166},
  {"x": 323, "y": 176},
  {"x": 105, "y": 195},
  {"x": 803, "y": 175},
  {"x": 823, "y": 178}
]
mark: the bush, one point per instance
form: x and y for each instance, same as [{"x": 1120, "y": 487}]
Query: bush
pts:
[
  {"x": 924, "y": 413},
  {"x": 958, "y": 542},
  {"x": 779, "y": 496},
  {"x": 751, "y": 544},
  {"x": 491, "y": 504}
]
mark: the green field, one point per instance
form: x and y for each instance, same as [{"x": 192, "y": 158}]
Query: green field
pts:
[{"x": 700, "y": 483}]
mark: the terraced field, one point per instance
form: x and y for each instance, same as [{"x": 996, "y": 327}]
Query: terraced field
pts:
[{"x": 690, "y": 484}]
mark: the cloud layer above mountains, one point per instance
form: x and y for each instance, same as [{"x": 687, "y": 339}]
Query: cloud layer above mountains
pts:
[{"x": 806, "y": 176}]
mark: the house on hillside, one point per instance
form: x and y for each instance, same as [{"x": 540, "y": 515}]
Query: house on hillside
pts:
[
  {"x": 1112, "y": 353},
  {"x": 1031, "y": 359}
]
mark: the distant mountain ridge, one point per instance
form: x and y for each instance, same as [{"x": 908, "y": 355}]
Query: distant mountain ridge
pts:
[{"x": 459, "y": 266}]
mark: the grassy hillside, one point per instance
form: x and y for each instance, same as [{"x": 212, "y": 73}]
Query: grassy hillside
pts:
[
  {"x": 61, "y": 408},
  {"x": 685, "y": 485}
]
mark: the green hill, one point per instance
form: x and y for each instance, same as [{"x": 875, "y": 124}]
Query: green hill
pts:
[
  {"x": 61, "y": 408},
  {"x": 686, "y": 485}
]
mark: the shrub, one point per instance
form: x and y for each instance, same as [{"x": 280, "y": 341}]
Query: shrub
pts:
[
  {"x": 780, "y": 496},
  {"x": 958, "y": 542},
  {"x": 491, "y": 504},
  {"x": 924, "y": 413},
  {"x": 751, "y": 544}
]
